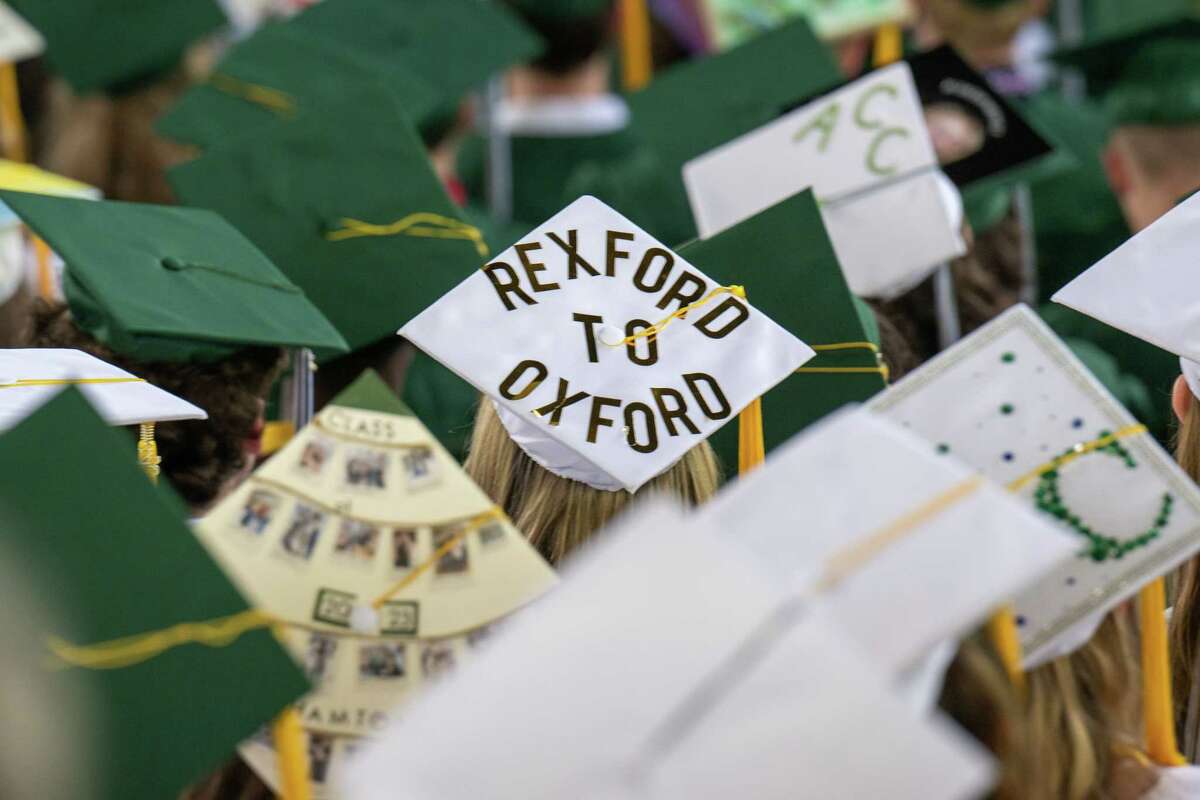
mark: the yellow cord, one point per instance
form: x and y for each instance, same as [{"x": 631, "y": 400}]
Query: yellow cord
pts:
[
  {"x": 752, "y": 450},
  {"x": 272, "y": 100},
  {"x": 422, "y": 223},
  {"x": 18, "y": 384},
  {"x": 1158, "y": 712},
  {"x": 12, "y": 122},
  {"x": 291, "y": 756},
  {"x": 637, "y": 57},
  {"x": 658, "y": 327},
  {"x": 1080, "y": 449}
]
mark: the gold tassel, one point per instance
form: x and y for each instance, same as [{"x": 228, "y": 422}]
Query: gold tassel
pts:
[
  {"x": 147, "y": 450},
  {"x": 1157, "y": 704},
  {"x": 637, "y": 59},
  {"x": 889, "y": 45},
  {"x": 12, "y": 122},
  {"x": 751, "y": 450},
  {"x": 292, "y": 756},
  {"x": 1002, "y": 630}
]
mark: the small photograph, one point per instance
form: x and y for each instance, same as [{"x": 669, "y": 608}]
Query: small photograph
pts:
[
  {"x": 491, "y": 533},
  {"x": 455, "y": 561},
  {"x": 315, "y": 455},
  {"x": 366, "y": 468},
  {"x": 356, "y": 541},
  {"x": 956, "y": 133},
  {"x": 404, "y": 547},
  {"x": 320, "y": 753},
  {"x": 318, "y": 656},
  {"x": 437, "y": 658},
  {"x": 259, "y": 511},
  {"x": 420, "y": 467},
  {"x": 382, "y": 661},
  {"x": 301, "y": 536}
]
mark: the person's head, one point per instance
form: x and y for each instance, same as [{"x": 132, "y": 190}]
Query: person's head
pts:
[
  {"x": 557, "y": 514},
  {"x": 202, "y": 459},
  {"x": 576, "y": 38},
  {"x": 982, "y": 30},
  {"x": 1150, "y": 167}
]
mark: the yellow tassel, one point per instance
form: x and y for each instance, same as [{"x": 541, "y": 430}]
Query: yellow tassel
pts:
[
  {"x": 1002, "y": 630},
  {"x": 12, "y": 122},
  {"x": 637, "y": 59},
  {"x": 292, "y": 756},
  {"x": 889, "y": 45},
  {"x": 1157, "y": 704},
  {"x": 148, "y": 451},
  {"x": 751, "y": 450},
  {"x": 275, "y": 435}
]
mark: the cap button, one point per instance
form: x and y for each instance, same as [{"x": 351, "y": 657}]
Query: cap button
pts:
[
  {"x": 173, "y": 264},
  {"x": 364, "y": 619},
  {"x": 611, "y": 336}
]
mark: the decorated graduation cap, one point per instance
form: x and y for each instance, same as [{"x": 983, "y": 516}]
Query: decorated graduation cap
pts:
[
  {"x": 172, "y": 284},
  {"x": 946, "y": 545},
  {"x": 320, "y": 198},
  {"x": 98, "y": 45},
  {"x": 157, "y": 702},
  {"x": 784, "y": 260},
  {"x": 666, "y": 666},
  {"x": 18, "y": 39},
  {"x": 389, "y": 563},
  {"x": 865, "y": 151},
  {"x": 607, "y": 355},
  {"x": 1144, "y": 287},
  {"x": 454, "y": 45},
  {"x": 279, "y": 74}
]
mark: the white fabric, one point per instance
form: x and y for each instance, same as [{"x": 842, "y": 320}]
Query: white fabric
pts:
[
  {"x": 1176, "y": 783},
  {"x": 1067, "y": 642},
  {"x": 553, "y": 455},
  {"x": 921, "y": 685},
  {"x": 118, "y": 403},
  {"x": 648, "y": 628},
  {"x": 594, "y": 115},
  {"x": 813, "y": 499},
  {"x": 18, "y": 39}
]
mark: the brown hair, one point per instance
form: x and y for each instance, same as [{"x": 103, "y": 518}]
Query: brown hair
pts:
[
  {"x": 199, "y": 457},
  {"x": 968, "y": 27},
  {"x": 1163, "y": 152},
  {"x": 558, "y": 514}
]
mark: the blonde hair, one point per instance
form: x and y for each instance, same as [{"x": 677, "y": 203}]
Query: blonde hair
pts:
[
  {"x": 558, "y": 514},
  {"x": 1185, "y": 613}
]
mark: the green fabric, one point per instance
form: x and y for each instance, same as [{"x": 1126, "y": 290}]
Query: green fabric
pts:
[
  {"x": 1160, "y": 84},
  {"x": 110, "y": 557},
  {"x": 564, "y": 9},
  {"x": 454, "y": 45},
  {"x": 444, "y": 402},
  {"x": 868, "y": 320},
  {"x": 1139, "y": 361},
  {"x": 1077, "y": 220},
  {"x": 291, "y": 186},
  {"x": 170, "y": 284},
  {"x": 785, "y": 260},
  {"x": 105, "y": 44},
  {"x": 370, "y": 393},
  {"x": 313, "y": 75}
]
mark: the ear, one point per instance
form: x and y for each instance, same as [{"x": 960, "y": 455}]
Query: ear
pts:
[
  {"x": 1181, "y": 398},
  {"x": 1116, "y": 169}
]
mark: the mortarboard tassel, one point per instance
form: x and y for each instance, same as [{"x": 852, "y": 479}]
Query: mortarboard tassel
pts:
[
  {"x": 1002, "y": 631},
  {"x": 147, "y": 450},
  {"x": 751, "y": 450},
  {"x": 12, "y": 123},
  {"x": 293, "y": 756},
  {"x": 637, "y": 60},
  {"x": 1157, "y": 706}
]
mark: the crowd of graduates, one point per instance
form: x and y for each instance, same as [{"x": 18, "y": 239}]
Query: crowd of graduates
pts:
[{"x": 626, "y": 398}]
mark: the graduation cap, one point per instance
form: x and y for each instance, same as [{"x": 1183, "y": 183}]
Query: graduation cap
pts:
[
  {"x": 99, "y": 45},
  {"x": 1012, "y": 401},
  {"x": 18, "y": 39},
  {"x": 593, "y": 373},
  {"x": 955, "y": 547},
  {"x": 454, "y": 45},
  {"x": 368, "y": 536},
  {"x": 666, "y": 666},
  {"x": 170, "y": 284},
  {"x": 320, "y": 198},
  {"x": 281, "y": 73},
  {"x": 1144, "y": 287},
  {"x": 785, "y": 261},
  {"x": 865, "y": 151},
  {"x": 736, "y": 21},
  {"x": 119, "y": 584},
  {"x": 564, "y": 9}
]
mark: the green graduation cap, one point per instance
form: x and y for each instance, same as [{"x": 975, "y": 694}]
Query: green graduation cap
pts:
[
  {"x": 159, "y": 283},
  {"x": 113, "y": 44},
  {"x": 785, "y": 260},
  {"x": 564, "y": 9},
  {"x": 454, "y": 45},
  {"x": 105, "y": 557},
  {"x": 278, "y": 75},
  {"x": 350, "y": 208}
]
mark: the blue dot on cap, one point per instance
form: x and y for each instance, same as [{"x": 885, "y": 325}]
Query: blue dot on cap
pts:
[
  {"x": 1077, "y": 422},
  {"x": 1020, "y": 621},
  {"x": 1008, "y": 456},
  {"x": 1071, "y": 581}
]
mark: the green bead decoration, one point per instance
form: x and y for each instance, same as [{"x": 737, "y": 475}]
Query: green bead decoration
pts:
[
  {"x": 1007, "y": 408},
  {"x": 1100, "y": 548}
]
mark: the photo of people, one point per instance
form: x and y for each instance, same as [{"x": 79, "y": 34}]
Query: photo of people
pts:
[
  {"x": 321, "y": 649},
  {"x": 455, "y": 560},
  {"x": 491, "y": 533},
  {"x": 420, "y": 467},
  {"x": 356, "y": 540},
  {"x": 404, "y": 545},
  {"x": 320, "y": 752},
  {"x": 366, "y": 469},
  {"x": 382, "y": 661},
  {"x": 303, "y": 530},
  {"x": 315, "y": 456},
  {"x": 258, "y": 511},
  {"x": 955, "y": 133},
  {"x": 437, "y": 659}
]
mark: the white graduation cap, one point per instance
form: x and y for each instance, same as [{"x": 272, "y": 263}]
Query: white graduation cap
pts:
[
  {"x": 1146, "y": 287},
  {"x": 907, "y": 548},
  {"x": 18, "y": 39},
  {"x": 892, "y": 216},
  {"x": 664, "y": 666},
  {"x": 1014, "y": 403},
  {"x": 30, "y": 377},
  {"x": 578, "y": 334}
]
